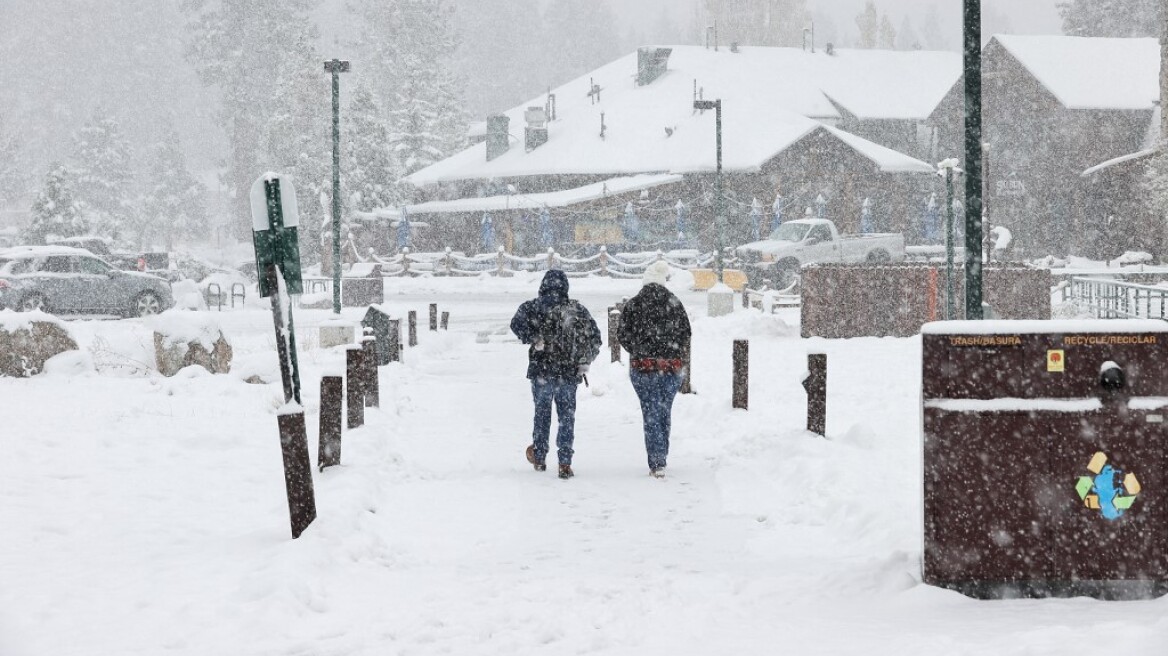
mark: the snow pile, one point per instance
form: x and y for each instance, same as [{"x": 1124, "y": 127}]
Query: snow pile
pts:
[{"x": 10, "y": 320}]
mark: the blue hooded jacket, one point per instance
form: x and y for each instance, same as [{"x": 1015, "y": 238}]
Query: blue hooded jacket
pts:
[{"x": 553, "y": 291}]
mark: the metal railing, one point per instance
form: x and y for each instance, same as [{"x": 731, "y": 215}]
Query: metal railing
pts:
[{"x": 1113, "y": 299}]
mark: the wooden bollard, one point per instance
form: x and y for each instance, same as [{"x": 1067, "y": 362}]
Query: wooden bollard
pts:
[
  {"x": 687, "y": 362},
  {"x": 614, "y": 333},
  {"x": 331, "y": 398},
  {"x": 741, "y": 373},
  {"x": 445, "y": 321},
  {"x": 816, "y": 386},
  {"x": 745, "y": 298},
  {"x": 297, "y": 471},
  {"x": 413, "y": 323},
  {"x": 433, "y": 316},
  {"x": 395, "y": 347},
  {"x": 372, "y": 383},
  {"x": 355, "y": 386}
]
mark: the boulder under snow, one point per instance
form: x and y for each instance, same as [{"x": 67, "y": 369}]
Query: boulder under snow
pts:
[
  {"x": 183, "y": 338},
  {"x": 28, "y": 340}
]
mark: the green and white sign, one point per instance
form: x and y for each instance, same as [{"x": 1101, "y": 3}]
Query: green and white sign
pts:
[{"x": 275, "y": 219}]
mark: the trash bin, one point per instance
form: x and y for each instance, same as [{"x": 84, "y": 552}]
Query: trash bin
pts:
[
  {"x": 378, "y": 321},
  {"x": 1045, "y": 457}
]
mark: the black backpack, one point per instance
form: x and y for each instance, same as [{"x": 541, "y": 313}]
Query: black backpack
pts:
[{"x": 567, "y": 335}]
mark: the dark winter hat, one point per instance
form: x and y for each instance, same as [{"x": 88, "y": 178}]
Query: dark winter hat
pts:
[{"x": 555, "y": 283}]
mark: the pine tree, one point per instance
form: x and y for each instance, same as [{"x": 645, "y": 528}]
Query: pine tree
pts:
[
  {"x": 56, "y": 212},
  {"x": 173, "y": 209},
  {"x": 12, "y": 178},
  {"x": 1111, "y": 18},
  {"x": 759, "y": 22},
  {"x": 869, "y": 24},
  {"x": 104, "y": 174},
  {"x": 906, "y": 37},
  {"x": 580, "y": 35},
  {"x": 272, "y": 33},
  {"x": 495, "y": 59},
  {"x": 887, "y": 34},
  {"x": 933, "y": 36},
  {"x": 369, "y": 170}
]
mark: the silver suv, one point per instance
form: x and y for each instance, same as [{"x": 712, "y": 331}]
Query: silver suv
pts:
[{"x": 59, "y": 279}]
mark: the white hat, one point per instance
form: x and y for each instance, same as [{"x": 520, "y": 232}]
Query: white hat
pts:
[{"x": 657, "y": 272}]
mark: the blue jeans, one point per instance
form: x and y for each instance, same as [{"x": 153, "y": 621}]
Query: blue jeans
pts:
[
  {"x": 563, "y": 392},
  {"x": 656, "y": 390}
]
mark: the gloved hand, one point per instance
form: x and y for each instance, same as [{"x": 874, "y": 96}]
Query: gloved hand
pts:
[
  {"x": 582, "y": 370},
  {"x": 537, "y": 344}
]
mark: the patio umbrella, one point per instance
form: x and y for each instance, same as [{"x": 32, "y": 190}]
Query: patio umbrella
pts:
[
  {"x": 820, "y": 207},
  {"x": 488, "y": 230},
  {"x": 546, "y": 236},
  {"x": 932, "y": 221},
  {"x": 866, "y": 225},
  {"x": 681, "y": 238},
  {"x": 755, "y": 220},
  {"x": 777, "y": 208},
  {"x": 403, "y": 230},
  {"x": 632, "y": 225}
]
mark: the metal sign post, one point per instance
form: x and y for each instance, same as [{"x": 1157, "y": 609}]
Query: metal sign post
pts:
[
  {"x": 335, "y": 67},
  {"x": 275, "y": 218}
]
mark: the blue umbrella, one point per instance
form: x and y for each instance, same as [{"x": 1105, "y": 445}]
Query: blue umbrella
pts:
[
  {"x": 755, "y": 219},
  {"x": 403, "y": 230},
  {"x": 546, "y": 236},
  {"x": 681, "y": 238},
  {"x": 777, "y": 208},
  {"x": 632, "y": 225},
  {"x": 820, "y": 206},
  {"x": 932, "y": 221},
  {"x": 488, "y": 227},
  {"x": 866, "y": 225}
]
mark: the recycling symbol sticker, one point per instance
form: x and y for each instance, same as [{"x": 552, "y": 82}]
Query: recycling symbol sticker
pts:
[{"x": 1109, "y": 490}]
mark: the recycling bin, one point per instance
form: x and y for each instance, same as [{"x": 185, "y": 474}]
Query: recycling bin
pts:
[{"x": 1045, "y": 457}]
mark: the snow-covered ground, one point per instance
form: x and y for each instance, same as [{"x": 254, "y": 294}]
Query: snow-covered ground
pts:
[{"x": 145, "y": 515}]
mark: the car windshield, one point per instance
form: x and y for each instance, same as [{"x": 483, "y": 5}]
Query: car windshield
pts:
[{"x": 794, "y": 232}]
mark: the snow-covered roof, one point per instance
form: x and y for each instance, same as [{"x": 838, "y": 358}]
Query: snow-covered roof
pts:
[
  {"x": 564, "y": 198},
  {"x": 1091, "y": 73},
  {"x": 771, "y": 98}
]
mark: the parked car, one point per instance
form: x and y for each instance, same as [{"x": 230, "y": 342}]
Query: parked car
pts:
[
  {"x": 60, "y": 279},
  {"x": 127, "y": 261},
  {"x": 809, "y": 241}
]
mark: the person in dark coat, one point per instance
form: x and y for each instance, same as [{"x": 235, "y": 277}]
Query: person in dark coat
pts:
[
  {"x": 655, "y": 330},
  {"x": 554, "y": 377}
]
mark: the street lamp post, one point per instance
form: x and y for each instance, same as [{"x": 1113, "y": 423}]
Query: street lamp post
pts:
[
  {"x": 973, "y": 162},
  {"x": 336, "y": 67},
  {"x": 716, "y": 105}
]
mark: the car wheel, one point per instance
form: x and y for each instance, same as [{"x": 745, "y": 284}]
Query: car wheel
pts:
[
  {"x": 879, "y": 257},
  {"x": 146, "y": 304},
  {"x": 33, "y": 302}
]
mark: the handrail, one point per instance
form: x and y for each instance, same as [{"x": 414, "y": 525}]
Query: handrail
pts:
[{"x": 1113, "y": 299}]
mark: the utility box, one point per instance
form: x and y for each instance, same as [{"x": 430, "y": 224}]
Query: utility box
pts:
[
  {"x": 1045, "y": 458},
  {"x": 378, "y": 321}
]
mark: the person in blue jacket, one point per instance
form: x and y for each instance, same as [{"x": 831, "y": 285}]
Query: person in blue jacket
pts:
[{"x": 558, "y": 359}]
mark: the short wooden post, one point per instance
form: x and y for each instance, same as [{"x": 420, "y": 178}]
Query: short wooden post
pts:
[
  {"x": 433, "y": 316},
  {"x": 371, "y": 381},
  {"x": 355, "y": 386},
  {"x": 395, "y": 348},
  {"x": 603, "y": 261},
  {"x": 297, "y": 471},
  {"x": 445, "y": 321},
  {"x": 741, "y": 373},
  {"x": 816, "y": 386},
  {"x": 687, "y": 362},
  {"x": 745, "y": 298},
  {"x": 331, "y": 393},
  {"x": 613, "y": 333},
  {"x": 413, "y": 325}
]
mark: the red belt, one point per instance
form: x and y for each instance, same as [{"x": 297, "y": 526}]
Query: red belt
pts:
[{"x": 656, "y": 364}]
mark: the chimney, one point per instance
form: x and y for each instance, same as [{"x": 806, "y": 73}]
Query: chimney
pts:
[
  {"x": 497, "y": 136},
  {"x": 536, "y": 133},
  {"x": 651, "y": 64}
]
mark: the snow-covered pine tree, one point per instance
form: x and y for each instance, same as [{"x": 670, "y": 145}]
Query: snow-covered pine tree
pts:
[
  {"x": 906, "y": 37},
  {"x": 270, "y": 32},
  {"x": 933, "y": 37},
  {"x": 104, "y": 174},
  {"x": 887, "y": 37},
  {"x": 495, "y": 58},
  {"x": 869, "y": 24},
  {"x": 1111, "y": 18},
  {"x": 369, "y": 173},
  {"x": 56, "y": 211},
  {"x": 174, "y": 208},
  {"x": 758, "y": 22},
  {"x": 579, "y": 35},
  {"x": 12, "y": 179}
]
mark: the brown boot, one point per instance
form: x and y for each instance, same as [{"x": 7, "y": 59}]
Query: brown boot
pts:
[
  {"x": 566, "y": 472},
  {"x": 538, "y": 464}
]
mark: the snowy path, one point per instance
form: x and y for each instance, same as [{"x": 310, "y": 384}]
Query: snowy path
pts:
[{"x": 146, "y": 516}]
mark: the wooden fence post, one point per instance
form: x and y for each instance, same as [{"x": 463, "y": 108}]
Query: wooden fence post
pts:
[
  {"x": 413, "y": 324},
  {"x": 297, "y": 471},
  {"x": 433, "y": 316},
  {"x": 741, "y": 373},
  {"x": 395, "y": 346},
  {"x": 372, "y": 382},
  {"x": 613, "y": 333},
  {"x": 331, "y": 393},
  {"x": 603, "y": 261},
  {"x": 816, "y": 386},
  {"x": 355, "y": 386},
  {"x": 445, "y": 321},
  {"x": 687, "y": 362}
]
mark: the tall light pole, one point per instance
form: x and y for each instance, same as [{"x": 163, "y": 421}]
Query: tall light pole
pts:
[
  {"x": 716, "y": 105},
  {"x": 336, "y": 67},
  {"x": 973, "y": 162}
]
